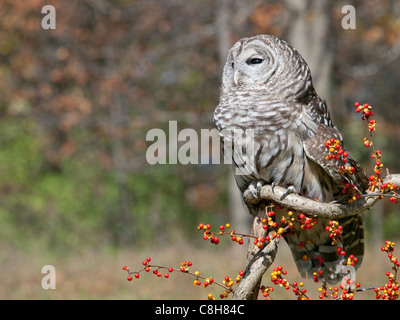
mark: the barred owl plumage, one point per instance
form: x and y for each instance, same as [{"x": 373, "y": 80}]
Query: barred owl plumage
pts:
[{"x": 267, "y": 87}]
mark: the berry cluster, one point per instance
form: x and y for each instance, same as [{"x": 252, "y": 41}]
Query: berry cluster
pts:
[
  {"x": 147, "y": 267},
  {"x": 184, "y": 267},
  {"x": 214, "y": 236},
  {"x": 375, "y": 181},
  {"x": 300, "y": 293},
  {"x": 328, "y": 292},
  {"x": 366, "y": 110},
  {"x": 348, "y": 287},
  {"x": 278, "y": 278},
  {"x": 335, "y": 230},
  {"x": 307, "y": 222},
  {"x": 265, "y": 291},
  {"x": 389, "y": 291},
  {"x": 335, "y": 150},
  {"x": 337, "y": 153},
  {"x": 274, "y": 229},
  {"x": 351, "y": 260},
  {"x": 346, "y": 290}
]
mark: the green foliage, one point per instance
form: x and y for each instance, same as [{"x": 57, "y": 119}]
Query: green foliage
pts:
[{"x": 79, "y": 204}]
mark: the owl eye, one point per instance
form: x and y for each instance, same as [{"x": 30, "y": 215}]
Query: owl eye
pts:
[
  {"x": 255, "y": 61},
  {"x": 233, "y": 65}
]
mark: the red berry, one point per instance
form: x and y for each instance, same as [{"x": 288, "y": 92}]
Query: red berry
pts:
[
  {"x": 170, "y": 269},
  {"x": 124, "y": 267},
  {"x": 129, "y": 278},
  {"x": 166, "y": 275},
  {"x": 148, "y": 259},
  {"x": 137, "y": 275}
]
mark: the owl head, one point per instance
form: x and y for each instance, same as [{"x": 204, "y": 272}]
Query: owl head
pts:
[{"x": 265, "y": 63}]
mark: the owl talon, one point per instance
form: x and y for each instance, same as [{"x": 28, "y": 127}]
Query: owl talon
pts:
[
  {"x": 253, "y": 191},
  {"x": 255, "y": 188},
  {"x": 288, "y": 191},
  {"x": 273, "y": 187}
]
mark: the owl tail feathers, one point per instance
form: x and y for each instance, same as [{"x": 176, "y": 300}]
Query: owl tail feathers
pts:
[
  {"x": 325, "y": 258},
  {"x": 315, "y": 251}
]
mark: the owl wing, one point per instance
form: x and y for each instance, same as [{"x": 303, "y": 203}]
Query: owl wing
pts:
[
  {"x": 352, "y": 237},
  {"x": 316, "y": 150}
]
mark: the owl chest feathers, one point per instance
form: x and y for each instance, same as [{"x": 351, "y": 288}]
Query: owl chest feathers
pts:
[{"x": 267, "y": 138}]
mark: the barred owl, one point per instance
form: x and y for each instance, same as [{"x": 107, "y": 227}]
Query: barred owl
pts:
[{"x": 267, "y": 94}]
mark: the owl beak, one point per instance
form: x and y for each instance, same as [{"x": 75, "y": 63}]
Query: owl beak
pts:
[{"x": 236, "y": 77}]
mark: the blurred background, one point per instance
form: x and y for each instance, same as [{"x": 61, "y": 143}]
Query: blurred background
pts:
[{"x": 76, "y": 103}]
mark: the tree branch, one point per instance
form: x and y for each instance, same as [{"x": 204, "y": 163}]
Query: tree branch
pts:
[
  {"x": 249, "y": 285},
  {"x": 316, "y": 208}
]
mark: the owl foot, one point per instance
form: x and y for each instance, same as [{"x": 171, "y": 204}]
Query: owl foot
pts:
[
  {"x": 255, "y": 188},
  {"x": 288, "y": 191}
]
